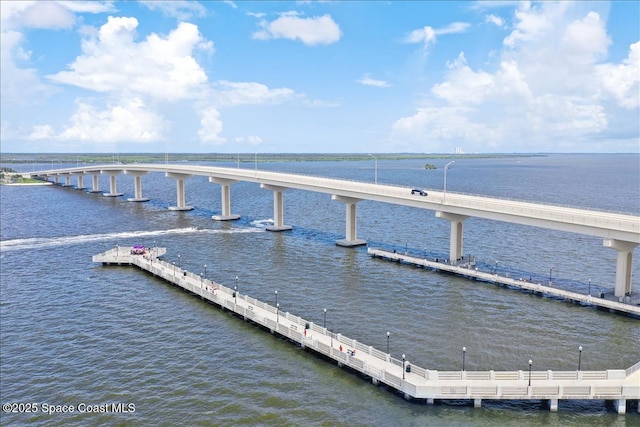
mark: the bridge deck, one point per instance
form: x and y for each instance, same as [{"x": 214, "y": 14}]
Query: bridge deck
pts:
[
  {"x": 631, "y": 307},
  {"x": 413, "y": 383}
]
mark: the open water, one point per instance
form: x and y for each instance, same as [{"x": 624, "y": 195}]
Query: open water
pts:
[{"x": 76, "y": 333}]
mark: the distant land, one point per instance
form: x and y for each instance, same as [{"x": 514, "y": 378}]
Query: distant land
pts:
[{"x": 109, "y": 158}]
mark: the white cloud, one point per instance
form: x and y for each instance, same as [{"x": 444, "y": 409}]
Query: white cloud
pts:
[
  {"x": 181, "y": 10},
  {"x": 368, "y": 81},
  {"x": 495, "y": 20},
  {"x": 310, "y": 31},
  {"x": 160, "y": 66},
  {"x": 548, "y": 90},
  {"x": 210, "y": 126},
  {"x": 622, "y": 81},
  {"x": 129, "y": 121},
  {"x": 238, "y": 93},
  {"x": 427, "y": 35}
]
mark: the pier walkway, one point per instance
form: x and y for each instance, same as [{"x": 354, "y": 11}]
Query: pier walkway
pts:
[
  {"x": 626, "y": 305},
  {"x": 400, "y": 375}
]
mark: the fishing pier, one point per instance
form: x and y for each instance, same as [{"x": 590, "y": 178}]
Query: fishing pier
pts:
[{"x": 400, "y": 375}]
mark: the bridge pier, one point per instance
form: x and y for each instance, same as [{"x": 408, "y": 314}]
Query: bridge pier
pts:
[
  {"x": 455, "y": 239},
  {"x": 137, "y": 186},
  {"x": 113, "y": 186},
  {"x": 477, "y": 403},
  {"x": 180, "y": 193},
  {"x": 225, "y": 192},
  {"x": 95, "y": 182},
  {"x": 278, "y": 208},
  {"x": 553, "y": 405},
  {"x": 621, "y": 406},
  {"x": 80, "y": 185},
  {"x": 67, "y": 181},
  {"x": 350, "y": 239},
  {"x": 623, "y": 264}
]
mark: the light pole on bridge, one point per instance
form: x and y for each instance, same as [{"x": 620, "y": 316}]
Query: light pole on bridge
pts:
[
  {"x": 444, "y": 195},
  {"x": 375, "y": 168}
]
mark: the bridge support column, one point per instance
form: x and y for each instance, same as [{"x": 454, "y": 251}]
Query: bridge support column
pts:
[
  {"x": 225, "y": 192},
  {"x": 80, "y": 185},
  {"x": 278, "y": 208},
  {"x": 113, "y": 187},
  {"x": 67, "y": 181},
  {"x": 180, "y": 193},
  {"x": 95, "y": 182},
  {"x": 350, "y": 239},
  {"x": 137, "y": 186},
  {"x": 553, "y": 405},
  {"x": 477, "y": 403},
  {"x": 621, "y": 406},
  {"x": 623, "y": 265},
  {"x": 455, "y": 240}
]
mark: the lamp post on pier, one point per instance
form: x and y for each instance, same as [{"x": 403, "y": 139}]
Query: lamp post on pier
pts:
[
  {"x": 276, "y": 298},
  {"x": 174, "y": 270},
  {"x": 403, "y": 359},
  {"x": 179, "y": 263},
  {"x": 205, "y": 272},
  {"x": 277, "y": 313},
  {"x": 579, "y": 357},
  {"x": 550, "y": 271},
  {"x": 235, "y": 294},
  {"x": 324, "y": 325},
  {"x": 589, "y": 287},
  {"x": 388, "y": 334},
  {"x": 530, "y": 363},
  {"x": 464, "y": 353}
]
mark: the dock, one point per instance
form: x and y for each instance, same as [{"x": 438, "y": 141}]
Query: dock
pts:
[
  {"x": 401, "y": 376},
  {"x": 627, "y": 306}
]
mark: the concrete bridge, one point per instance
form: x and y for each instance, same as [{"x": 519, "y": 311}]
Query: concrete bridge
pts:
[{"x": 620, "y": 232}]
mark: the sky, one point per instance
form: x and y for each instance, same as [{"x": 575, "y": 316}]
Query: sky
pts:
[{"x": 320, "y": 77}]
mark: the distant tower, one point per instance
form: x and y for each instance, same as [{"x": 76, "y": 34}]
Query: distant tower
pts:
[{"x": 459, "y": 150}]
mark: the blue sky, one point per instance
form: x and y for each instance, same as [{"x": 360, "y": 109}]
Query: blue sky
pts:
[{"x": 320, "y": 76}]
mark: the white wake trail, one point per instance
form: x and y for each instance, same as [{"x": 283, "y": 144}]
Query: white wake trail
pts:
[{"x": 38, "y": 243}]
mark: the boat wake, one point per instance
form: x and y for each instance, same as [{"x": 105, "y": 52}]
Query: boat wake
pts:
[{"x": 47, "y": 242}]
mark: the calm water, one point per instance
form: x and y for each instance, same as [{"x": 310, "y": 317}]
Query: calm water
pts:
[{"x": 74, "y": 333}]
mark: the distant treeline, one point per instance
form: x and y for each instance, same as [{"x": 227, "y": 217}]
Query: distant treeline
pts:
[{"x": 70, "y": 158}]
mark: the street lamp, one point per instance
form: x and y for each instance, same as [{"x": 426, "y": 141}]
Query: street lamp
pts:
[
  {"x": 464, "y": 352},
  {"x": 174, "y": 270},
  {"x": 376, "y": 168},
  {"x": 444, "y": 196},
  {"x": 277, "y": 313},
  {"x": 388, "y": 342},
  {"x": 550, "y": 271},
  {"x": 589, "y": 287},
  {"x": 179, "y": 263},
  {"x": 276, "y": 298},
  {"x": 579, "y": 357},
  {"x": 403, "y": 366},
  {"x": 497, "y": 268},
  {"x": 530, "y": 363},
  {"x": 235, "y": 294},
  {"x": 205, "y": 272},
  {"x": 325, "y": 319}
]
